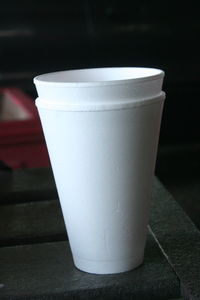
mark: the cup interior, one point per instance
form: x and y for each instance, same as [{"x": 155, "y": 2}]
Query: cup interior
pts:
[{"x": 99, "y": 75}]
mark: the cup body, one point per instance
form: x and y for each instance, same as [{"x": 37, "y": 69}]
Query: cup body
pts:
[{"x": 102, "y": 139}]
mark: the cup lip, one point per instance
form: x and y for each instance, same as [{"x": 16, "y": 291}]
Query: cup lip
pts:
[{"x": 154, "y": 74}]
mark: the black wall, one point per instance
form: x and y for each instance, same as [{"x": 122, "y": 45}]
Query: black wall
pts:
[{"x": 44, "y": 36}]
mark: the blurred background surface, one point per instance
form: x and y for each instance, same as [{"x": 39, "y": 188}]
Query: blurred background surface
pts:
[{"x": 43, "y": 36}]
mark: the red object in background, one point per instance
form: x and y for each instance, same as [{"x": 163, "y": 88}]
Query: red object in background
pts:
[{"x": 22, "y": 143}]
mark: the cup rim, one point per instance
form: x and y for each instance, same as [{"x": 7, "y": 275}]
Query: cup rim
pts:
[{"x": 144, "y": 74}]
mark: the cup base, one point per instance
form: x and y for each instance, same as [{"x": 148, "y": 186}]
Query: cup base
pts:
[{"x": 107, "y": 267}]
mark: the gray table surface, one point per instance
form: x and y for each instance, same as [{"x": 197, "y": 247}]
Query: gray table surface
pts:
[{"x": 35, "y": 257}]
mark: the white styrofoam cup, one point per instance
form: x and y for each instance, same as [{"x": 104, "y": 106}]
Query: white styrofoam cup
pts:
[{"x": 101, "y": 128}]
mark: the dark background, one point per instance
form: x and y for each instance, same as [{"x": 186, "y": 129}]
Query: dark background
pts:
[{"x": 43, "y": 36}]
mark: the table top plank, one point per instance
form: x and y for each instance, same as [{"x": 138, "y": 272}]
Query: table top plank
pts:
[
  {"x": 31, "y": 222},
  {"x": 46, "y": 271},
  {"x": 178, "y": 238},
  {"x": 25, "y": 185}
]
